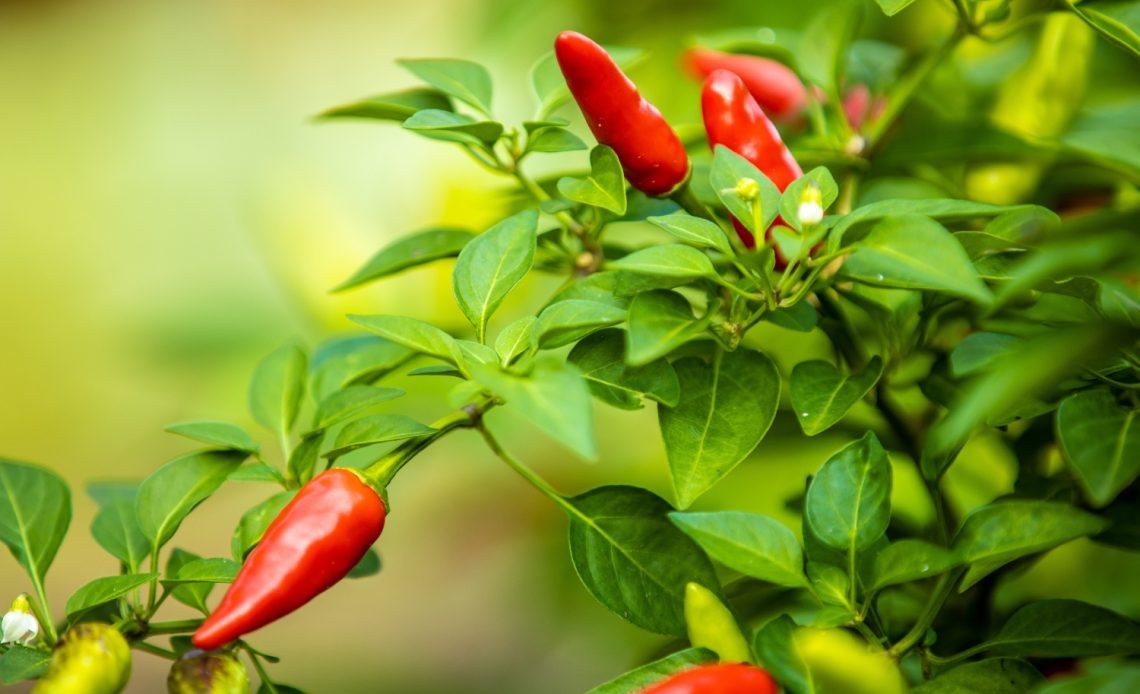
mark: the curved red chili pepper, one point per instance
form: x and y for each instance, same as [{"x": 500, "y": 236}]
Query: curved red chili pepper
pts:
[
  {"x": 315, "y": 540},
  {"x": 651, "y": 154},
  {"x": 734, "y": 119},
  {"x": 723, "y": 678},
  {"x": 775, "y": 86}
]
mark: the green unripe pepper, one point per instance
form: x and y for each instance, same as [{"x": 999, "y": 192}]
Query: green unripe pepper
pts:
[
  {"x": 1037, "y": 103},
  {"x": 91, "y": 658},
  {"x": 208, "y": 673},
  {"x": 712, "y": 626}
]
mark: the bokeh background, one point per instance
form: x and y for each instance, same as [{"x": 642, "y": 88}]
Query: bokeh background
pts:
[{"x": 169, "y": 213}]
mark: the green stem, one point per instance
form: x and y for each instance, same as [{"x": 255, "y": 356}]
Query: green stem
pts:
[
  {"x": 872, "y": 637},
  {"x": 525, "y": 472},
  {"x": 154, "y": 650},
  {"x": 382, "y": 471},
  {"x": 266, "y": 682},
  {"x": 938, "y": 597},
  {"x": 42, "y": 612},
  {"x": 689, "y": 202},
  {"x": 180, "y": 626}
]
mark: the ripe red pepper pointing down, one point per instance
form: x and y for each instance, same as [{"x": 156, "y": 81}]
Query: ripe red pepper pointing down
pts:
[
  {"x": 312, "y": 544},
  {"x": 724, "y": 678},
  {"x": 651, "y": 154}
]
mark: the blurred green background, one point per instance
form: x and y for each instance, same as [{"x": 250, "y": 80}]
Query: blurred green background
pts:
[{"x": 169, "y": 214}]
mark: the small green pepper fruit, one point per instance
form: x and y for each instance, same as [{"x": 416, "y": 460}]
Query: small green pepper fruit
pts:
[
  {"x": 91, "y": 658},
  {"x": 208, "y": 673},
  {"x": 712, "y": 626}
]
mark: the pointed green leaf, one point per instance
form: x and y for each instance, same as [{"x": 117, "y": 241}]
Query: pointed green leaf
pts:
[
  {"x": 991, "y": 676},
  {"x": 447, "y": 126},
  {"x": 601, "y": 358},
  {"x": 465, "y": 80},
  {"x": 910, "y": 560},
  {"x": 175, "y": 489},
  {"x": 395, "y": 106},
  {"x": 821, "y": 394},
  {"x": 103, "y": 590},
  {"x": 515, "y": 340},
  {"x": 35, "y": 510},
  {"x": 660, "y": 321},
  {"x": 1101, "y": 440},
  {"x": 491, "y": 265},
  {"x": 1065, "y": 629},
  {"x": 564, "y": 322},
  {"x": 668, "y": 260},
  {"x": 277, "y": 388},
  {"x": 350, "y": 401},
  {"x": 754, "y": 545},
  {"x": 604, "y": 187},
  {"x": 695, "y": 231},
  {"x": 848, "y": 503},
  {"x": 116, "y": 529},
  {"x": 380, "y": 428},
  {"x": 408, "y": 252},
  {"x": 222, "y": 434},
  {"x": 413, "y": 334}
]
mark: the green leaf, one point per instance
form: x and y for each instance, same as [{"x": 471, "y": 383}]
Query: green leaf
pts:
[
  {"x": 369, "y": 565},
  {"x": 1101, "y": 441},
  {"x": 914, "y": 252},
  {"x": 208, "y": 570},
  {"x": 553, "y": 397},
  {"x": 277, "y": 388},
  {"x": 660, "y": 321},
  {"x": 979, "y": 351},
  {"x": 632, "y": 559},
  {"x": 832, "y": 585},
  {"x": 408, "y": 252},
  {"x": 821, "y": 394},
  {"x": 221, "y": 434},
  {"x": 175, "y": 489},
  {"x": 601, "y": 358},
  {"x": 910, "y": 560},
  {"x": 395, "y": 106},
  {"x": 467, "y": 81},
  {"x": 553, "y": 139},
  {"x": 726, "y": 407},
  {"x": 1116, "y": 20},
  {"x": 800, "y": 317},
  {"x": 893, "y": 7},
  {"x": 991, "y": 676},
  {"x": 254, "y": 522},
  {"x": 1097, "y": 677},
  {"x": 257, "y": 472},
  {"x": 640, "y": 678},
  {"x": 447, "y": 126},
  {"x": 349, "y": 402},
  {"x": 116, "y": 529},
  {"x": 304, "y": 457},
  {"x": 832, "y": 29},
  {"x": 359, "y": 359},
  {"x": 35, "y": 510},
  {"x": 516, "y": 340},
  {"x": 946, "y": 210},
  {"x": 727, "y": 171},
  {"x": 998, "y": 533},
  {"x": 380, "y": 428},
  {"x": 668, "y": 260},
  {"x": 190, "y": 594},
  {"x": 848, "y": 504},
  {"x": 695, "y": 231},
  {"x": 774, "y": 645},
  {"x": 21, "y": 663},
  {"x": 754, "y": 545},
  {"x": 491, "y": 265},
  {"x": 565, "y": 322},
  {"x": 790, "y": 198},
  {"x": 1064, "y": 629},
  {"x": 103, "y": 590},
  {"x": 416, "y": 335},
  {"x": 1065, "y": 258},
  {"x": 604, "y": 187}
]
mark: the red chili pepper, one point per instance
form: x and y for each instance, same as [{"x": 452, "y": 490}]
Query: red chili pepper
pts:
[
  {"x": 723, "y": 678},
  {"x": 775, "y": 86},
  {"x": 315, "y": 540},
  {"x": 651, "y": 154},
  {"x": 735, "y": 120}
]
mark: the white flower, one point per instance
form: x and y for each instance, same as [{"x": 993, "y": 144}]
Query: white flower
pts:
[
  {"x": 19, "y": 627},
  {"x": 811, "y": 205}
]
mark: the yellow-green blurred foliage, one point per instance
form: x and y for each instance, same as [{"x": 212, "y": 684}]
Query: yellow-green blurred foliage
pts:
[{"x": 169, "y": 213}]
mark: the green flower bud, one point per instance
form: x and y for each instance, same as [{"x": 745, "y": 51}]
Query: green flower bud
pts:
[
  {"x": 91, "y": 658},
  {"x": 208, "y": 673}
]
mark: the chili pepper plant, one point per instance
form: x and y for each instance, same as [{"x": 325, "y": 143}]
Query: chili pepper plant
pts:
[{"x": 966, "y": 260}]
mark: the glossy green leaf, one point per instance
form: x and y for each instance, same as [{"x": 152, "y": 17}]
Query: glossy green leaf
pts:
[
  {"x": 515, "y": 340},
  {"x": 604, "y": 187},
  {"x": 754, "y": 545},
  {"x": 632, "y": 559},
  {"x": 257, "y": 472},
  {"x": 305, "y": 455},
  {"x": 395, "y": 106},
  {"x": 990, "y": 676},
  {"x": 725, "y": 408},
  {"x": 254, "y": 522},
  {"x": 1101, "y": 441},
  {"x": 408, "y": 252},
  {"x": 941, "y": 209},
  {"x": 822, "y": 59},
  {"x": 35, "y": 510},
  {"x": 821, "y": 394},
  {"x": 467, "y": 81},
  {"x": 998, "y": 533},
  {"x": 832, "y": 585},
  {"x": 413, "y": 334},
  {"x": 639, "y": 678},
  {"x": 848, "y": 504},
  {"x": 175, "y": 489},
  {"x": 491, "y": 265},
  {"x": 205, "y": 570},
  {"x": 20, "y": 663},
  {"x": 277, "y": 388},
  {"x": 1116, "y": 20},
  {"x": 554, "y": 139},
  {"x": 103, "y": 590},
  {"x": 913, "y": 252},
  {"x": 350, "y": 401},
  {"x": 695, "y": 231},
  {"x": 116, "y": 529},
  {"x": 565, "y": 322},
  {"x": 801, "y": 317},
  {"x": 448, "y": 126},
  {"x": 910, "y": 560},
  {"x": 893, "y": 7},
  {"x": 601, "y": 359},
  {"x": 222, "y": 434},
  {"x": 553, "y": 397},
  {"x": 978, "y": 352},
  {"x": 190, "y": 594},
  {"x": 660, "y": 321},
  {"x": 355, "y": 360},
  {"x": 380, "y": 428},
  {"x": 1064, "y": 629},
  {"x": 728, "y": 170}
]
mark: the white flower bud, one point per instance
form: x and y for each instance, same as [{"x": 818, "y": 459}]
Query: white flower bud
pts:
[
  {"x": 19, "y": 624},
  {"x": 811, "y": 205}
]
